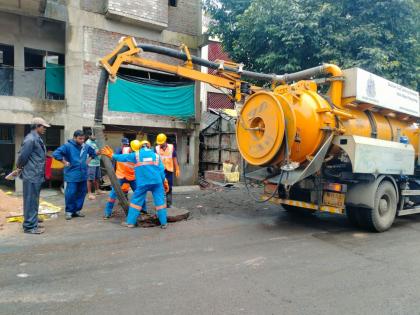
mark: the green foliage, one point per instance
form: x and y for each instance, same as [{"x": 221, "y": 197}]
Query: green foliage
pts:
[{"x": 280, "y": 36}]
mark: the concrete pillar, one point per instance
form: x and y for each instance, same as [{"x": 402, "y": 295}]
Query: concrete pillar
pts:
[
  {"x": 19, "y": 136},
  {"x": 181, "y": 147},
  {"x": 19, "y": 58},
  {"x": 204, "y": 86},
  {"x": 73, "y": 82},
  {"x": 194, "y": 154},
  {"x": 62, "y": 138}
]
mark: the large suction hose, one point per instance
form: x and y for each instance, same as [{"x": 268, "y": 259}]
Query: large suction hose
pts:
[
  {"x": 305, "y": 74},
  {"x": 99, "y": 133}
]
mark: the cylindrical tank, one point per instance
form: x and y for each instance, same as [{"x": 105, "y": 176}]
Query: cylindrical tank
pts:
[{"x": 302, "y": 116}]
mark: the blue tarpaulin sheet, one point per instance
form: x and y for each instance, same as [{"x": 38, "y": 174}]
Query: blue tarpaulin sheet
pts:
[
  {"x": 54, "y": 78},
  {"x": 134, "y": 97}
]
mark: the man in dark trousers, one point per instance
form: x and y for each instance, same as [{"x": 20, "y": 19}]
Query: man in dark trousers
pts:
[
  {"x": 75, "y": 154},
  {"x": 31, "y": 161}
]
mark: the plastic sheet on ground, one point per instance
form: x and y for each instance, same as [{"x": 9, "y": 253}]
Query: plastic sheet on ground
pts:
[
  {"x": 11, "y": 208},
  {"x": 231, "y": 174}
]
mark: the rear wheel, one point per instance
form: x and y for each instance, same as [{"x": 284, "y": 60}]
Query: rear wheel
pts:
[{"x": 381, "y": 217}]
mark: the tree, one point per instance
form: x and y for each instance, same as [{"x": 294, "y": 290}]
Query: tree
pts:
[{"x": 283, "y": 36}]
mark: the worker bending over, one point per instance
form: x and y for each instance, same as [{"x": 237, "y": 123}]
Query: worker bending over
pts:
[
  {"x": 125, "y": 174},
  {"x": 167, "y": 153},
  {"x": 150, "y": 176}
]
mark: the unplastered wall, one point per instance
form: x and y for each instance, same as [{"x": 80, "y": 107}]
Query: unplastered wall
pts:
[
  {"x": 153, "y": 13},
  {"x": 185, "y": 17}
]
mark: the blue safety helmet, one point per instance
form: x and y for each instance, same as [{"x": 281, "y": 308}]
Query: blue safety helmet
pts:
[{"x": 125, "y": 141}]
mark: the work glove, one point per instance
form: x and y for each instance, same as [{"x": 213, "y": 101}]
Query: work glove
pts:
[
  {"x": 107, "y": 151},
  {"x": 177, "y": 172},
  {"x": 166, "y": 186}
]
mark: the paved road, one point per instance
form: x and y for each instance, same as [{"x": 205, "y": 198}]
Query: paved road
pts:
[{"x": 233, "y": 257}]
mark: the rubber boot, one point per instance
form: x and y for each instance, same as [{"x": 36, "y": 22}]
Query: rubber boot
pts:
[
  {"x": 162, "y": 216},
  {"x": 169, "y": 199},
  {"x": 132, "y": 216},
  {"x": 108, "y": 209}
]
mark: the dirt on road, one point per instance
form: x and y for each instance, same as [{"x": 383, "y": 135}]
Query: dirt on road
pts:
[{"x": 9, "y": 204}]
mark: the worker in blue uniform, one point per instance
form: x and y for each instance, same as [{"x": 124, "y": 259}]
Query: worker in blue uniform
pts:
[
  {"x": 75, "y": 155},
  {"x": 125, "y": 174},
  {"x": 150, "y": 176}
]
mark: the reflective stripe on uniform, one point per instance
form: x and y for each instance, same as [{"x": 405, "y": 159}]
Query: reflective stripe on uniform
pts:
[
  {"x": 147, "y": 163},
  {"x": 111, "y": 200},
  {"x": 143, "y": 163},
  {"x": 132, "y": 205},
  {"x": 160, "y": 207}
]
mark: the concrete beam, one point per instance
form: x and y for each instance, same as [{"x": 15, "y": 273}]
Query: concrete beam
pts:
[{"x": 19, "y": 136}]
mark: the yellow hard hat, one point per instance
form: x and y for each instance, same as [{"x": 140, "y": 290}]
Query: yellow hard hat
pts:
[
  {"x": 142, "y": 143},
  {"x": 161, "y": 138},
  {"x": 135, "y": 145}
]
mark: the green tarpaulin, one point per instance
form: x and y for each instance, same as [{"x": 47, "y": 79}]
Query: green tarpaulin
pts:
[
  {"x": 127, "y": 96},
  {"x": 54, "y": 78}
]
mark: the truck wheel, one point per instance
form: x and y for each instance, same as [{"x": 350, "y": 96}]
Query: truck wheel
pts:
[{"x": 381, "y": 217}]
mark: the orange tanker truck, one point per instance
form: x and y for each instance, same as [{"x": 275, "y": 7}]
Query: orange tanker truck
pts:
[
  {"x": 353, "y": 150},
  {"x": 324, "y": 139}
]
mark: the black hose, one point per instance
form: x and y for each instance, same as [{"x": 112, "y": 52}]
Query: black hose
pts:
[
  {"x": 304, "y": 74},
  {"x": 101, "y": 89},
  {"x": 100, "y": 96},
  {"x": 257, "y": 200},
  {"x": 300, "y": 75},
  {"x": 98, "y": 131}
]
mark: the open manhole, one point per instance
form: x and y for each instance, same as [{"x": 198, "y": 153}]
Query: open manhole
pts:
[{"x": 174, "y": 215}]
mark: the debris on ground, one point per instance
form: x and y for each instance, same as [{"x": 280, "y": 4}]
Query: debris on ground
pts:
[
  {"x": 173, "y": 215},
  {"x": 46, "y": 211},
  {"x": 213, "y": 184},
  {"x": 9, "y": 203},
  {"x": 11, "y": 208}
]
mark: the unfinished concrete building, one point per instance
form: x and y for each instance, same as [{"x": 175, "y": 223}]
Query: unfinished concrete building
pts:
[{"x": 48, "y": 67}]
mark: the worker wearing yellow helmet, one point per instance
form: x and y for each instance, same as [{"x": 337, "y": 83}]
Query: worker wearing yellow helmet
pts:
[
  {"x": 150, "y": 176},
  {"x": 125, "y": 174},
  {"x": 167, "y": 153}
]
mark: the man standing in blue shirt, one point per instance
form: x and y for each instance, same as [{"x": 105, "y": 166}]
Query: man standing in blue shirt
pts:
[
  {"x": 94, "y": 168},
  {"x": 31, "y": 161},
  {"x": 74, "y": 154}
]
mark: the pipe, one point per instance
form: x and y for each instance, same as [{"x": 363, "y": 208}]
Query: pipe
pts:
[
  {"x": 288, "y": 77},
  {"x": 202, "y": 62},
  {"x": 336, "y": 89},
  {"x": 300, "y": 75},
  {"x": 99, "y": 133}
]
